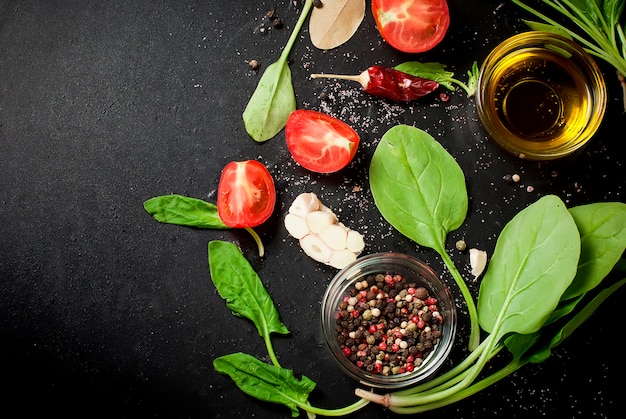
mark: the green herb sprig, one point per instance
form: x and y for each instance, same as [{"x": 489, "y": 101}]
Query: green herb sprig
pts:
[
  {"x": 437, "y": 72},
  {"x": 597, "y": 29}
]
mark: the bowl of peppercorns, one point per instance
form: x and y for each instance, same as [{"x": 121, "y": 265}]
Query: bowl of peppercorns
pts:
[{"x": 388, "y": 320}]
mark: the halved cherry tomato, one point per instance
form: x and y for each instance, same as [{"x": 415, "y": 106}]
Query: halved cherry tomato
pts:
[
  {"x": 319, "y": 142},
  {"x": 246, "y": 194},
  {"x": 411, "y": 25}
]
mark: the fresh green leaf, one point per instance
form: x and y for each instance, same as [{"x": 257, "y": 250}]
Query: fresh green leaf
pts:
[
  {"x": 541, "y": 354},
  {"x": 274, "y": 99},
  {"x": 271, "y": 103},
  {"x": 245, "y": 294},
  {"x": 544, "y": 27},
  {"x": 185, "y": 211},
  {"x": 602, "y": 227},
  {"x": 437, "y": 72},
  {"x": 431, "y": 71},
  {"x": 264, "y": 381},
  {"x": 420, "y": 190},
  {"x": 534, "y": 261},
  {"x": 418, "y": 186}
]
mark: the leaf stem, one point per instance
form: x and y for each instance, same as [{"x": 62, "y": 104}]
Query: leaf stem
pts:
[
  {"x": 257, "y": 239},
  {"x": 295, "y": 32},
  {"x": 359, "y": 404},
  {"x": 474, "y": 339}
]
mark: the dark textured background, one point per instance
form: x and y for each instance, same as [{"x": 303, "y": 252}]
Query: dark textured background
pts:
[{"x": 106, "y": 312}]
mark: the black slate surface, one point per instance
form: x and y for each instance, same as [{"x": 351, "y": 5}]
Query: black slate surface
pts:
[{"x": 106, "y": 312}]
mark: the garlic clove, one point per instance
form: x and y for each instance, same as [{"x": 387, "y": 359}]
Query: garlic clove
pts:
[
  {"x": 315, "y": 248},
  {"x": 341, "y": 258},
  {"x": 478, "y": 261},
  {"x": 335, "y": 236},
  {"x": 296, "y": 226},
  {"x": 355, "y": 242},
  {"x": 319, "y": 220},
  {"x": 304, "y": 204}
]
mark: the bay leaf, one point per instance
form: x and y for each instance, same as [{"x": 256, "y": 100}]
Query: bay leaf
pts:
[{"x": 335, "y": 22}]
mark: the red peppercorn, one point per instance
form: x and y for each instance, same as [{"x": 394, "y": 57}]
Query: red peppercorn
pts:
[
  {"x": 409, "y": 367},
  {"x": 432, "y": 307},
  {"x": 410, "y": 359},
  {"x": 355, "y": 314},
  {"x": 420, "y": 324},
  {"x": 430, "y": 301},
  {"x": 347, "y": 351},
  {"x": 395, "y": 347},
  {"x": 411, "y": 290},
  {"x": 378, "y": 368},
  {"x": 360, "y": 364},
  {"x": 373, "y": 329},
  {"x": 382, "y": 346}
]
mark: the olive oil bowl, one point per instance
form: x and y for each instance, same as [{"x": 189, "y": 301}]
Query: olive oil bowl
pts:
[
  {"x": 540, "y": 96},
  {"x": 388, "y": 320}
]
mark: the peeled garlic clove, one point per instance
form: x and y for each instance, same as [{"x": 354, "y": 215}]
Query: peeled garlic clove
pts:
[
  {"x": 319, "y": 220},
  {"x": 355, "y": 242},
  {"x": 296, "y": 226},
  {"x": 304, "y": 204},
  {"x": 478, "y": 261},
  {"x": 335, "y": 235},
  {"x": 341, "y": 258},
  {"x": 315, "y": 248}
]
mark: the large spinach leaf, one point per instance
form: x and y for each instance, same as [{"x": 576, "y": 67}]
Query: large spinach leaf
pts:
[
  {"x": 418, "y": 186},
  {"x": 264, "y": 381},
  {"x": 533, "y": 263},
  {"x": 602, "y": 227}
]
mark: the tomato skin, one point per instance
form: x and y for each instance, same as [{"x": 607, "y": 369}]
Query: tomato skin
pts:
[
  {"x": 245, "y": 194},
  {"x": 320, "y": 143},
  {"x": 412, "y": 26}
]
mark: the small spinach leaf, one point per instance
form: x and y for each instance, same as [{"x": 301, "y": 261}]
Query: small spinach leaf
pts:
[
  {"x": 265, "y": 382},
  {"x": 245, "y": 294},
  {"x": 185, "y": 211},
  {"x": 534, "y": 261}
]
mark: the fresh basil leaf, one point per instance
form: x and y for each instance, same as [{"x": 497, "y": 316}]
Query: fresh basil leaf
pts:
[
  {"x": 431, "y": 71},
  {"x": 602, "y": 227},
  {"x": 264, "y": 381},
  {"x": 271, "y": 103},
  {"x": 418, "y": 186},
  {"x": 186, "y": 211},
  {"x": 238, "y": 284},
  {"x": 533, "y": 263}
]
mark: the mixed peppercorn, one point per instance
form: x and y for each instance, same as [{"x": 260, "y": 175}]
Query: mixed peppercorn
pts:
[{"x": 387, "y": 325}]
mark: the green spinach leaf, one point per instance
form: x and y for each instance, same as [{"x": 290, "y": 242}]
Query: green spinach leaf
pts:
[
  {"x": 418, "y": 186},
  {"x": 420, "y": 190},
  {"x": 185, "y": 211},
  {"x": 533, "y": 263},
  {"x": 274, "y": 99},
  {"x": 602, "y": 227},
  {"x": 245, "y": 294},
  {"x": 265, "y": 382}
]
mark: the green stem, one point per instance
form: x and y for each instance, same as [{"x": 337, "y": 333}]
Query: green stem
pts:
[
  {"x": 270, "y": 349},
  {"x": 463, "y": 394},
  {"x": 308, "y": 4},
  {"x": 257, "y": 239},
  {"x": 354, "y": 407},
  {"x": 474, "y": 339}
]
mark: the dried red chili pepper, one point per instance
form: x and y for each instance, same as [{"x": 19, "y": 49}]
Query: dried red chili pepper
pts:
[{"x": 389, "y": 83}]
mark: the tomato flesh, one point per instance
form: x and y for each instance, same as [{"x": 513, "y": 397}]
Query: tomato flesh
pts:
[
  {"x": 245, "y": 194},
  {"x": 319, "y": 142},
  {"x": 411, "y": 25}
]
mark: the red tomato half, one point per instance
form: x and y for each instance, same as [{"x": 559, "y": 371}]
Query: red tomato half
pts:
[
  {"x": 319, "y": 142},
  {"x": 411, "y": 25},
  {"x": 246, "y": 194}
]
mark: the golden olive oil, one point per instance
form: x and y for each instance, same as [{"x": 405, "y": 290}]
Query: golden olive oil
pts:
[{"x": 540, "y": 96}]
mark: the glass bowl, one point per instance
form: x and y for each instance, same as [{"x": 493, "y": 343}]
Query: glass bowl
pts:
[
  {"x": 540, "y": 96},
  {"x": 416, "y": 344}
]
